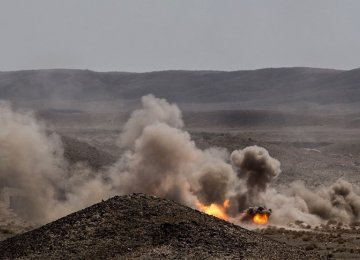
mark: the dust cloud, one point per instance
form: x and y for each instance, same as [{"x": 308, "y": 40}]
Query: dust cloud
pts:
[{"x": 159, "y": 158}]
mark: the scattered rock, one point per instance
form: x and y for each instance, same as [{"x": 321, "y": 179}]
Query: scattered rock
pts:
[{"x": 135, "y": 226}]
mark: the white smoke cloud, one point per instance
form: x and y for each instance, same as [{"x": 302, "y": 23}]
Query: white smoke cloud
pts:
[{"x": 160, "y": 159}]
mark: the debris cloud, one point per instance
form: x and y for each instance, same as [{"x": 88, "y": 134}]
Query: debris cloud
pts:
[{"x": 158, "y": 158}]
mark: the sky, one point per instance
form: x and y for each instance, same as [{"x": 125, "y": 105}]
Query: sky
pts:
[{"x": 150, "y": 35}]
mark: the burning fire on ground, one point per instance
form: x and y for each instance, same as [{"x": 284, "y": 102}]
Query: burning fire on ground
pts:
[
  {"x": 256, "y": 215},
  {"x": 260, "y": 219},
  {"x": 214, "y": 209}
]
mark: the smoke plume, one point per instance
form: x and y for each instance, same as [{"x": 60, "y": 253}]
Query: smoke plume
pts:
[
  {"x": 158, "y": 158},
  {"x": 154, "y": 111},
  {"x": 257, "y": 169},
  {"x": 30, "y": 163}
]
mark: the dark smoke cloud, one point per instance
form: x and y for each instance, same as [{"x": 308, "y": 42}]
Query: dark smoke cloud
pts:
[
  {"x": 159, "y": 158},
  {"x": 257, "y": 168}
]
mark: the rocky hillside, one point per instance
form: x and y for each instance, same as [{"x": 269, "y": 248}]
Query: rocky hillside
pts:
[
  {"x": 271, "y": 86},
  {"x": 145, "y": 227}
]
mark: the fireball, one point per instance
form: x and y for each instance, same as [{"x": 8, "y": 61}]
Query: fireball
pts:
[
  {"x": 260, "y": 219},
  {"x": 216, "y": 210}
]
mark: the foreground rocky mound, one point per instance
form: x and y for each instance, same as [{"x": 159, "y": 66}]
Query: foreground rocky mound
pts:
[{"x": 146, "y": 227}]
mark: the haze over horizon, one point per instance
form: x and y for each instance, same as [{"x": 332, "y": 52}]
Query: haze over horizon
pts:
[
  {"x": 169, "y": 70},
  {"x": 139, "y": 36}
]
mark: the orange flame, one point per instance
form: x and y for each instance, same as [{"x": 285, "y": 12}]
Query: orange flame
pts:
[
  {"x": 260, "y": 219},
  {"x": 215, "y": 209}
]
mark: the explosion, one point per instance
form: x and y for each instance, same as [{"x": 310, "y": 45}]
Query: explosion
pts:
[
  {"x": 257, "y": 215},
  {"x": 216, "y": 210},
  {"x": 260, "y": 219},
  {"x": 159, "y": 157}
]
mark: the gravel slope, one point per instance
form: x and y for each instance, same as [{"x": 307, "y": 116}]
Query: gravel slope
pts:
[{"x": 144, "y": 227}]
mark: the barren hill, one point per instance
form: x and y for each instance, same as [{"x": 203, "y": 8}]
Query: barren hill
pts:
[
  {"x": 145, "y": 227},
  {"x": 269, "y": 86}
]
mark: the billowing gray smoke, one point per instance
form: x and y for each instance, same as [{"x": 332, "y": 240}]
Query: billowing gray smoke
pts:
[
  {"x": 154, "y": 111},
  {"x": 338, "y": 202},
  {"x": 214, "y": 183},
  {"x": 160, "y": 163},
  {"x": 159, "y": 158},
  {"x": 257, "y": 168},
  {"x": 35, "y": 179}
]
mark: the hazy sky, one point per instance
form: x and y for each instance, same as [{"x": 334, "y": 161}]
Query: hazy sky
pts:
[{"x": 151, "y": 35}]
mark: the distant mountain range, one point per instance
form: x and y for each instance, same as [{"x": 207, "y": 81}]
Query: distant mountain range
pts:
[{"x": 263, "y": 87}]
